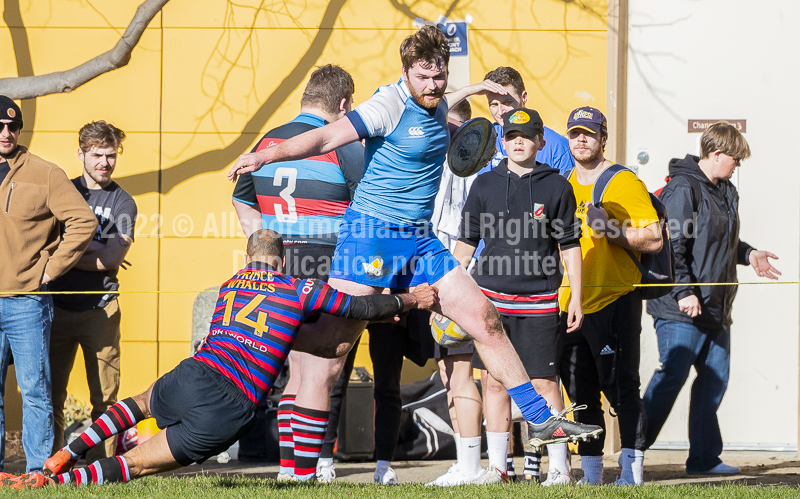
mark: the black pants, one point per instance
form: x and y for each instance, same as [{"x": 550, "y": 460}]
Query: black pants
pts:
[
  {"x": 386, "y": 346},
  {"x": 604, "y": 356}
]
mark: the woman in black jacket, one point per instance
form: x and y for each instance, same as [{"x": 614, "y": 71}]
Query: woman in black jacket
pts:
[{"x": 693, "y": 322}]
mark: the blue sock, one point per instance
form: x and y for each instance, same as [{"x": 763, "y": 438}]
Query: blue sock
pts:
[{"x": 532, "y": 405}]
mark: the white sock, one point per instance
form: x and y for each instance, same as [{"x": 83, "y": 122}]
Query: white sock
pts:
[
  {"x": 497, "y": 448},
  {"x": 558, "y": 458},
  {"x": 470, "y": 461},
  {"x": 632, "y": 462},
  {"x": 592, "y": 467},
  {"x": 457, "y": 438},
  {"x": 382, "y": 465}
]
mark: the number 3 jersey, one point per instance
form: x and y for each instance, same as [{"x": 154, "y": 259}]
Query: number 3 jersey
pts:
[
  {"x": 303, "y": 200},
  {"x": 255, "y": 322}
]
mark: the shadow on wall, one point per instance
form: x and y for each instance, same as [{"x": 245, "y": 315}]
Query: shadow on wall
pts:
[{"x": 211, "y": 161}]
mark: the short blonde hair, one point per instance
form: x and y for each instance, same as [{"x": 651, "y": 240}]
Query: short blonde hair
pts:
[{"x": 724, "y": 137}]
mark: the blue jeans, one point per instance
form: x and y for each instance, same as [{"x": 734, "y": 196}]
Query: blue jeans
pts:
[
  {"x": 25, "y": 333},
  {"x": 682, "y": 345}
]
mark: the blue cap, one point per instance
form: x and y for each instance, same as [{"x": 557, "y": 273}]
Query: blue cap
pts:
[{"x": 588, "y": 118}]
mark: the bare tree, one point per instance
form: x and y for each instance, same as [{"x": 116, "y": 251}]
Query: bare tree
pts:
[{"x": 29, "y": 87}]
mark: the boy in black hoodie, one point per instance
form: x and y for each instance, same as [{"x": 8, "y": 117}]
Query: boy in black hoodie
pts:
[{"x": 525, "y": 211}]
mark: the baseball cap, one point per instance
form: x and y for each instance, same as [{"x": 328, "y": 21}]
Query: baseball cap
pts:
[
  {"x": 524, "y": 120},
  {"x": 586, "y": 117},
  {"x": 9, "y": 110}
]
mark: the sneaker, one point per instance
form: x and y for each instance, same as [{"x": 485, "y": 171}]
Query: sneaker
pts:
[
  {"x": 720, "y": 469},
  {"x": 385, "y": 476},
  {"x": 452, "y": 477},
  {"x": 60, "y": 462},
  {"x": 555, "y": 477},
  {"x": 325, "y": 472},
  {"x": 558, "y": 429},
  {"x": 287, "y": 477},
  {"x": 33, "y": 480},
  {"x": 489, "y": 476}
]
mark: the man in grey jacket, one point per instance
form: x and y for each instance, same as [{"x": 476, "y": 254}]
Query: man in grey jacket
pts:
[{"x": 693, "y": 322}]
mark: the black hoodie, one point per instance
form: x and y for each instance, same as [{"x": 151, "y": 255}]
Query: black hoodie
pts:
[
  {"x": 706, "y": 250},
  {"x": 522, "y": 221}
]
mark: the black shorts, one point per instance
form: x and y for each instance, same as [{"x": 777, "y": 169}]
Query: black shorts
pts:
[
  {"x": 309, "y": 261},
  {"x": 203, "y": 413},
  {"x": 536, "y": 341}
]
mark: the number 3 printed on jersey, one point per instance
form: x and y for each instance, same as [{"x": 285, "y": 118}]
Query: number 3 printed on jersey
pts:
[{"x": 291, "y": 175}]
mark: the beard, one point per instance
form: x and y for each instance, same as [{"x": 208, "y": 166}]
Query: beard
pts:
[
  {"x": 587, "y": 156},
  {"x": 426, "y": 103}
]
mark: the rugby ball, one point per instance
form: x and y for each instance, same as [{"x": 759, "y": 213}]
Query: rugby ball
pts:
[
  {"x": 448, "y": 334},
  {"x": 471, "y": 147}
]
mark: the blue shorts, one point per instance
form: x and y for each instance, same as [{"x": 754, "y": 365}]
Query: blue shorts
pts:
[{"x": 386, "y": 255}]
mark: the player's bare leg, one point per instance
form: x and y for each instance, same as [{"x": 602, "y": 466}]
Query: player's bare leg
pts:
[
  {"x": 461, "y": 299},
  {"x": 311, "y": 379}
]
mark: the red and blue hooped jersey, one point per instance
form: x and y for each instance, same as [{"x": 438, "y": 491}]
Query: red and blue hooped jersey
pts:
[
  {"x": 255, "y": 322},
  {"x": 303, "y": 200}
]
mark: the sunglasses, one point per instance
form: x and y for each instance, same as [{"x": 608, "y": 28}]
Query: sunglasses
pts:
[{"x": 13, "y": 127}]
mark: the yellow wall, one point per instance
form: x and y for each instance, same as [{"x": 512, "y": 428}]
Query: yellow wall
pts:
[{"x": 210, "y": 76}]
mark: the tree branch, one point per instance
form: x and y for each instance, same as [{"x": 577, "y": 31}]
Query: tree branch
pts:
[{"x": 28, "y": 87}]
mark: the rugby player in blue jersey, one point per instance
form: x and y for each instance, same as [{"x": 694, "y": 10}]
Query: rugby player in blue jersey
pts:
[
  {"x": 385, "y": 240},
  {"x": 210, "y": 400}
]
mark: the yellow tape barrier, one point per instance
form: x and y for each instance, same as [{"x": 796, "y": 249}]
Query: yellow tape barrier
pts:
[{"x": 10, "y": 293}]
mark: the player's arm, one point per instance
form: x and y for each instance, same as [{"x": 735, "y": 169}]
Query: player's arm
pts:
[
  {"x": 380, "y": 307},
  {"x": 573, "y": 261},
  {"x": 249, "y": 217},
  {"x": 314, "y": 142},
  {"x": 481, "y": 88},
  {"x": 317, "y": 296}
]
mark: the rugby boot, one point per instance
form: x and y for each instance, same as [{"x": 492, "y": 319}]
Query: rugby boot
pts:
[
  {"x": 33, "y": 480},
  {"x": 60, "y": 462},
  {"x": 558, "y": 428}
]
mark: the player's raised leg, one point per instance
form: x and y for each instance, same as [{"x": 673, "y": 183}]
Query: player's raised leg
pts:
[{"x": 460, "y": 297}]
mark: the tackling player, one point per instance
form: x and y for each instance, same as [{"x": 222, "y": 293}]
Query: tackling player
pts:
[{"x": 209, "y": 401}]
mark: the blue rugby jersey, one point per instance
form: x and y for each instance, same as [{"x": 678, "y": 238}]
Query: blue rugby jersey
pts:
[
  {"x": 303, "y": 200},
  {"x": 255, "y": 322},
  {"x": 406, "y": 147}
]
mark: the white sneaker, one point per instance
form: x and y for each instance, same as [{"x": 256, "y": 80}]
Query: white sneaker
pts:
[
  {"x": 555, "y": 477},
  {"x": 287, "y": 477},
  {"x": 452, "y": 477},
  {"x": 325, "y": 472},
  {"x": 489, "y": 476},
  {"x": 385, "y": 476}
]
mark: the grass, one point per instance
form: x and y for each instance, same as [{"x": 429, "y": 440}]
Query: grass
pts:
[{"x": 220, "y": 487}]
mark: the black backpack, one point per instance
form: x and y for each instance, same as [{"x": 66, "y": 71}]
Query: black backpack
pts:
[{"x": 656, "y": 268}]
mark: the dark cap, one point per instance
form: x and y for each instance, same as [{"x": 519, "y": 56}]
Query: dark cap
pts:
[
  {"x": 524, "y": 120},
  {"x": 9, "y": 110},
  {"x": 588, "y": 118}
]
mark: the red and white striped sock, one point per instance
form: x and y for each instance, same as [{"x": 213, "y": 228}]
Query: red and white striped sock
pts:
[
  {"x": 286, "y": 450},
  {"x": 308, "y": 431}
]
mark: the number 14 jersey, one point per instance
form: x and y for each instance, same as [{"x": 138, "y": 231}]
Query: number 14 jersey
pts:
[{"x": 255, "y": 322}]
